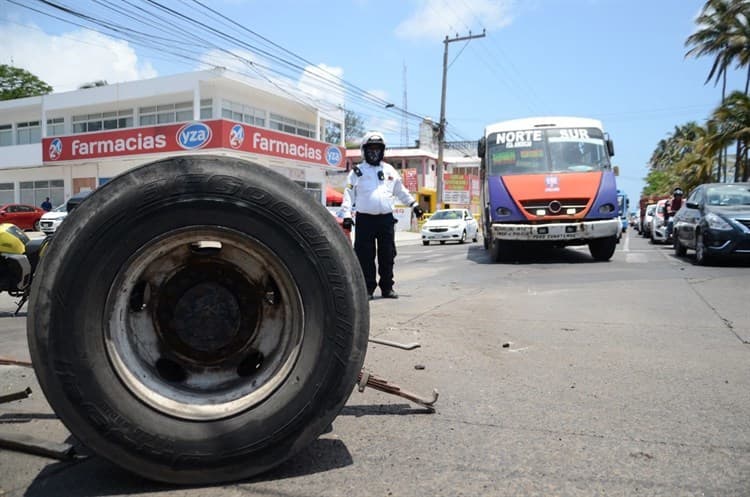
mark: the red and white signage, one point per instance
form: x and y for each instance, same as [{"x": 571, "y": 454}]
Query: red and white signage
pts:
[{"x": 215, "y": 134}]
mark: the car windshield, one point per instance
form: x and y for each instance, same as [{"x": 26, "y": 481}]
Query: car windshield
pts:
[
  {"x": 60, "y": 208},
  {"x": 447, "y": 215},
  {"x": 728, "y": 195}
]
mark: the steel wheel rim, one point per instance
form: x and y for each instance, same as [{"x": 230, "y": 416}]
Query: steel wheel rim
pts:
[{"x": 177, "y": 287}]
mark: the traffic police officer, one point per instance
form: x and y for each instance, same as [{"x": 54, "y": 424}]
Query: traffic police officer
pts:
[{"x": 371, "y": 188}]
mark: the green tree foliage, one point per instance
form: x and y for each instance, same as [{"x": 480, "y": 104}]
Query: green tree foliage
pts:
[
  {"x": 355, "y": 129},
  {"x": 732, "y": 122},
  {"x": 679, "y": 160},
  {"x": 693, "y": 154},
  {"x": 19, "y": 83}
]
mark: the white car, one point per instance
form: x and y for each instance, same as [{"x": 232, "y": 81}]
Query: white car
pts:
[
  {"x": 52, "y": 219},
  {"x": 450, "y": 225}
]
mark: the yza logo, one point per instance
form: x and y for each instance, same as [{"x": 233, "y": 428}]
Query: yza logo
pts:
[
  {"x": 552, "y": 184},
  {"x": 193, "y": 135},
  {"x": 333, "y": 156},
  {"x": 55, "y": 149},
  {"x": 236, "y": 136}
]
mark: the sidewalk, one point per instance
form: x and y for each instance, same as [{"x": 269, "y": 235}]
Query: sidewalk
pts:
[
  {"x": 407, "y": 238},
  {"x": 402, "y": 237}
]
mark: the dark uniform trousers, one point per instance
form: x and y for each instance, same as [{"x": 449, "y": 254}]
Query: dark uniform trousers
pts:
[{"x": 374, "y": 232}]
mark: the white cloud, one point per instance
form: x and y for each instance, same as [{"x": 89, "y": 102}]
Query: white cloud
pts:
[
  {"x": 323, "y": 83},
  {"x": 435, "y": 19},
  {"x": 67, "y": 61}
]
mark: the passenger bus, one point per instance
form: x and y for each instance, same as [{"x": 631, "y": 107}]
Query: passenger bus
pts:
[
  {"x": 548, "y": 180},
  {"x": 623, "y": 204}
]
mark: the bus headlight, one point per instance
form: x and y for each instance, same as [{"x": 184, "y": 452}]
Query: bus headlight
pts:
[{"x": 502, "y": 211}]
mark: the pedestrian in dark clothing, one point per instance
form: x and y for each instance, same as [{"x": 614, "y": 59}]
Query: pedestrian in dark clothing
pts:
[{"x": 47, "y": 205}]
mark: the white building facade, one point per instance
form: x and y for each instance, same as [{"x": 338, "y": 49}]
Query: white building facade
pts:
[{"x": 59, "y": 144}]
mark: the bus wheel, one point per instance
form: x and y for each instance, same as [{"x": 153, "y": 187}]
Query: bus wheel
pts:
[
  {"x": 218, "y": 327},
  {"x": 602, "y": 249},
  {"x": 501, "y": 250}
]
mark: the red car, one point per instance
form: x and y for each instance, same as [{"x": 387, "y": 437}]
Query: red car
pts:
[{"x": 24, "y": 216}]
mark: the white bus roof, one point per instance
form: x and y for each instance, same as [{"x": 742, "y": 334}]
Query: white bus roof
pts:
[{"x": 543, "y": 122}]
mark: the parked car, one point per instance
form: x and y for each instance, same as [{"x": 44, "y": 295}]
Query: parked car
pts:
[
  {"x": 715, "y": 222},
  {"x": 659, "y": 223},
  {"x": 647, "y": 218},
  {"x": 450, "y": 225},
  {"x": 26, "y": 217},
  {"x": 52, "y": 219},
  {"x": 76, "y": 199}
]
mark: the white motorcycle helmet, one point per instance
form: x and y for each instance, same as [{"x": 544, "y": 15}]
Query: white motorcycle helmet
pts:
[{"x": 373, "y": 148}]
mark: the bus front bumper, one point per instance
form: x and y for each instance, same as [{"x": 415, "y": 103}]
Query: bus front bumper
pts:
[{"x": 585, "y": 230}]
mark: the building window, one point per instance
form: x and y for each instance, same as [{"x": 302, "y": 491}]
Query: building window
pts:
[
  {"x": 6, "y": 135},
  {"x": 207, "y": 110},
  {"x": 330, "y": 131},
  {"x": 289, "y": 125},
  {"x": 28, "y": 132},
  {"x": 35, "y": 192},
  {"x": 6, "y": 193},
  {"x": 243, "y": 113},
  {"x": 56, "y": 126},
  {"x": 86, "y": 123},
  {"x": 165, "y": 114}
]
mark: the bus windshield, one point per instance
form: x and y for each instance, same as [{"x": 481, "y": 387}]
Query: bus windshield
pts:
[{"x": 547, "y": 150}]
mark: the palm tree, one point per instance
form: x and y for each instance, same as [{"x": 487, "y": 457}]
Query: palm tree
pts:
[
  {"x": 716, "y": 25},
  {"x": 732, "y": 120},
  {"x": 684, "y": 158},
  {"x": 696, "y": 164}
]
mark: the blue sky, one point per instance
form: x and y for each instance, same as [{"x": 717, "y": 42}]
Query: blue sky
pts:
[{"x": 621, "y": 61}]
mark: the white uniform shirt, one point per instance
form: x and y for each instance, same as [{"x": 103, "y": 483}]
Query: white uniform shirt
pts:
[{"x": 369, "y": 194}]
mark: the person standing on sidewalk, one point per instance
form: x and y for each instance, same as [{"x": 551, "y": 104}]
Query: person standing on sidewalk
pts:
[{"x": 372, "y": 186}]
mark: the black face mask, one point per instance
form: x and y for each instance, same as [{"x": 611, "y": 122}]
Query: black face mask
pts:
[{"x": 374, "y": 155}]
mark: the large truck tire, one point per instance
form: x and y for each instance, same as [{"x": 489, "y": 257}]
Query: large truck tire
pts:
[{"x": 198, "y": 320}]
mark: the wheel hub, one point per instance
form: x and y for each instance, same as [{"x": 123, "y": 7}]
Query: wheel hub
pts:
[{"x": 207, "y": 312}]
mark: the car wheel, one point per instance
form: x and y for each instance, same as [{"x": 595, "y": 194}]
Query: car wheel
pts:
[
  {"x": 172, "y": 249},
  {"x": 475, "y": 238},
  {"x": 602, "y": 249},
  {"x": 701, "y": 257},
  {"x": 37, "y": 226},
  {"x": 425, "y": 242},
  {"x": 679, "y": 249},
  {"x": 463, "y": 237}
]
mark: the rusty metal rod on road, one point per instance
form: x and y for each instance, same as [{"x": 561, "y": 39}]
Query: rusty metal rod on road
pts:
[
  {"x": 14, "y": 362},
  {"x": 367, "y": 379}
]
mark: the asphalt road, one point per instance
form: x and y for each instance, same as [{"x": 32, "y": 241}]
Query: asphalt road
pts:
[{"x": 557, "y": 376}]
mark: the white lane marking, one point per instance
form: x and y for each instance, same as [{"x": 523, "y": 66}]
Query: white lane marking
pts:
[{"x": 638, "y": 258}]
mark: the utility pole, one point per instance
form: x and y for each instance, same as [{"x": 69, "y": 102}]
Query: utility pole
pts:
[{"x": 441, "y": 126}]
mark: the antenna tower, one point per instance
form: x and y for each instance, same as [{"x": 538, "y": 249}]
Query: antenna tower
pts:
[{"x": 404, "y": 120}]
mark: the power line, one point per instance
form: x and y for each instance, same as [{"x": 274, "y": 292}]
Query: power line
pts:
[{"x": 317, "y": 78}]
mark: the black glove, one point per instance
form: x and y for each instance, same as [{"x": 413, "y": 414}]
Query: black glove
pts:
[
  {"x": 418, "y": 212},
  {"x": 347, "y": 223}
]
